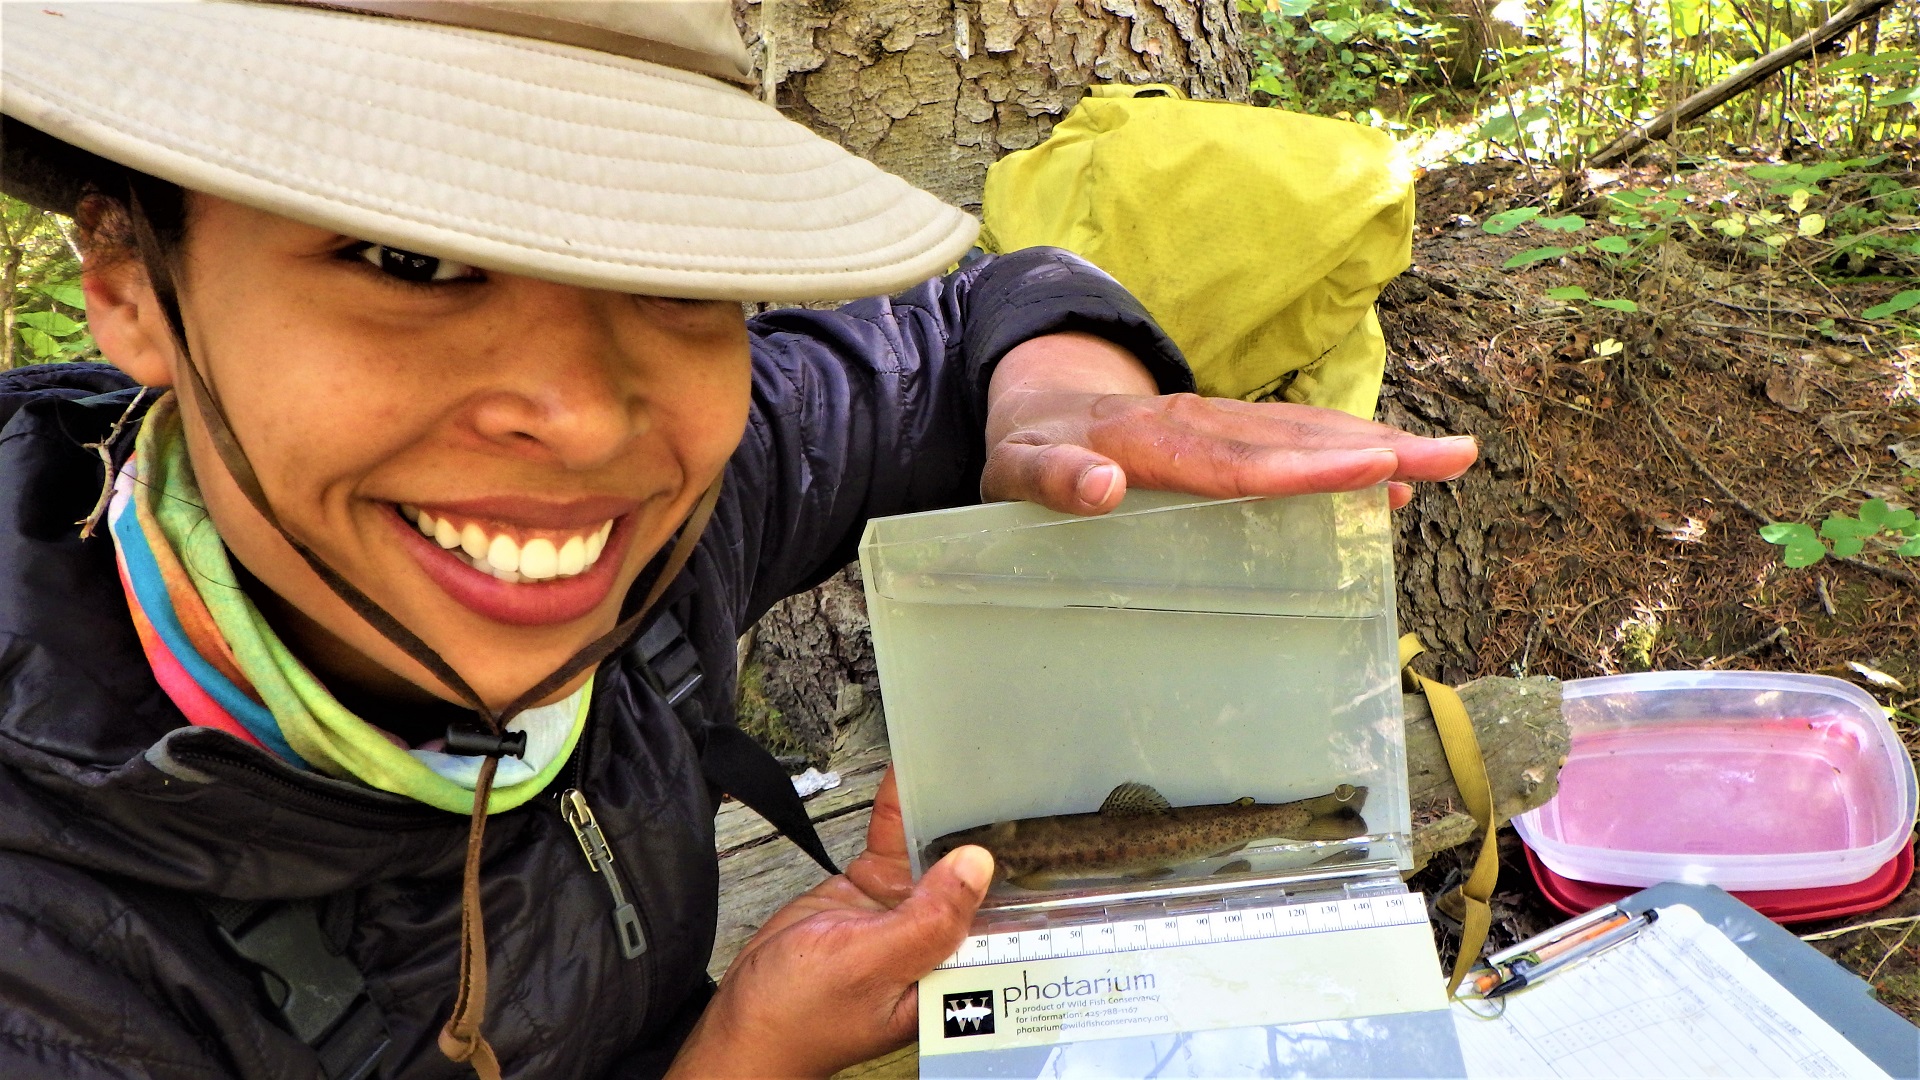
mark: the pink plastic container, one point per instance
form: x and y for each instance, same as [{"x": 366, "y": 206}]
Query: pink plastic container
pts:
[{"x": 1745, "y": 780}]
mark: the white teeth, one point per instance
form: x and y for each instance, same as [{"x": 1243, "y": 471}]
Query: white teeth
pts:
[
  {"x": 538, "y": 559},
  {"x": 573, "y": 557},
  {"x": 473, "y": 541},
  {"x": 503, "y": 553}
]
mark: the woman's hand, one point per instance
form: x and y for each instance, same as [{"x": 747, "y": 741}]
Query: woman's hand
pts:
[
  {"x": 1073, "y": 419},
  {"x": 828, "y": 982}
]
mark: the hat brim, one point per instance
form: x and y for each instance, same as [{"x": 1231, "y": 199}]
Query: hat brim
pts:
[{"x": 512, "y": 154}]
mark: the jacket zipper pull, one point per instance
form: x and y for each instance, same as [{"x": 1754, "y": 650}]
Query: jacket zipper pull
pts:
[{"x": 626, "y": 921}]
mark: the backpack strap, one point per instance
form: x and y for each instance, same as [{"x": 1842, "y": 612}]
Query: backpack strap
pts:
[
  {"x": 729, "y": 757},
  {"x": 319, "y": 993}
]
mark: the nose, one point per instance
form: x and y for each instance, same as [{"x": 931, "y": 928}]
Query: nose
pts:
[{"x": 558, "y": 379}]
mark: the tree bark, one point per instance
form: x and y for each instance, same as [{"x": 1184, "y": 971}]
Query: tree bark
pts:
[{"x": 937, "y": 92}]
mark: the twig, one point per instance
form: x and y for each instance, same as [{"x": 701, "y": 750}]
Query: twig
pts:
[
  {"x": 105, "y": 449},
  {"x": 1715, "y": 661},
  {"x": 1826, "y": 599},
  {"x": 1738, "y": 329},
  {"x": 1897, "y": 946},
  {"x": 1807, "y": 313},
  {"x": 1829, "y": 935}
]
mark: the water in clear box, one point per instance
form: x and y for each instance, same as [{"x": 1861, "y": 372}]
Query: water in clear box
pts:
[{"x": 1264, "y": 667}]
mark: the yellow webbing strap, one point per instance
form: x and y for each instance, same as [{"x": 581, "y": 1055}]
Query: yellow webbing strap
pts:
[{"x": 1470, "y": 776}]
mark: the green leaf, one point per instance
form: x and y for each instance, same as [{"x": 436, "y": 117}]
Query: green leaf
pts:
[
  {"x": 1874, "y": 512},
  {"x": 1900, "y": 520},
  {"x": 1508, "y": 220},
  {"x": 50, "y": 322},
  {"x": 1627, "y": 306},
  {"x": 1534, "y": 255},
  {"x": 1613, "y": 245},
  {"x": 1911, "y": 548},
  {"x": 1788, "y": 532},
  {"x": 1903, "y": 301},
  {"x": 64, "y": 292},
  {"x": 1567, "y": 292},
  {"x": 1848, "y": 546},
  {"x": 1628, "y": 198},
  {"x": 1906, "y": 95},
  {"x": 1569, "y": 223},
  {"x": 1841, "y": 527},
  {"x": 40, "y": 344},
  {"x": 1800, "y": 554},
  {"x": 1774, "y": 172}
]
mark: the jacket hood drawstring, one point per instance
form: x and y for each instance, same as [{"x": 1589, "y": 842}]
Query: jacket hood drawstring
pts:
[{"x": 461, "y": 1038}]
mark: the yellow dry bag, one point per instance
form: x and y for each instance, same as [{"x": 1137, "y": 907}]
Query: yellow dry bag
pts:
[{"x": 1258, "y": 238}]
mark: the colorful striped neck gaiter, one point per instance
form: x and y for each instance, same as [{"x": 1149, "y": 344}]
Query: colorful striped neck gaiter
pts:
[{"x": 216, "y": 657}]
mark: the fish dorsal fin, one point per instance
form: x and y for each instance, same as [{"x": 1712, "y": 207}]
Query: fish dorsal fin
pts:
[{"x": 1133, "y": 799}]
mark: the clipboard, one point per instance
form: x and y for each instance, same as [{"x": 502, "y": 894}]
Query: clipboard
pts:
[
  {"x": 1844, "y": 1000},
  {"x": 1712, "y": 988}
]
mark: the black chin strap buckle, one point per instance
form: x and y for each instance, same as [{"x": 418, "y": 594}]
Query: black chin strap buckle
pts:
[{"x": 467, "y": 742}]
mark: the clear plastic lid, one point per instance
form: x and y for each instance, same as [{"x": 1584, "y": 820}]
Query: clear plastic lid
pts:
[
  {"x": 1207, "y": 653},
  {"x": 1745, "y": 780}
]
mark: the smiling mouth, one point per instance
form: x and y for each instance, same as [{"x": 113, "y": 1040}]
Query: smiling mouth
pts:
[{"x": 513, "y": 555}]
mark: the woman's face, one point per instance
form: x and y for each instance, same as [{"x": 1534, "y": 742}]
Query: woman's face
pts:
[{"x": 492, "y": 459}]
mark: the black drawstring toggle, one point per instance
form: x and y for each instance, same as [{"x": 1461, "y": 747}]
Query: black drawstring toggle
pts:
[{"x": 467, "y": 742}]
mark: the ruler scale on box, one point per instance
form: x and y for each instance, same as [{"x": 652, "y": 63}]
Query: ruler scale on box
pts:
[
  {"x": 1204, "y": 927},
  {"x": 1100, "y": 989}
]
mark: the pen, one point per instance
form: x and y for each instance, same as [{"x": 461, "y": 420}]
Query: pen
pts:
[
  {"x": 1526, "y": 974},
  {"x": 1552, "y": 948},
  {"x": 1556, "y": 933}
]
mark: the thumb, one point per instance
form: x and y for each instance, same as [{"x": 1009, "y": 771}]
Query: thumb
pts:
[{"x": 929, "y": 925}]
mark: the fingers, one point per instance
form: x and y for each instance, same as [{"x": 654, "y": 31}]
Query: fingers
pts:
[
  {"x": 1058, "y": 475},
  {"x": 1261, "y": 445},
  {"x": 1063, "y": 453}
]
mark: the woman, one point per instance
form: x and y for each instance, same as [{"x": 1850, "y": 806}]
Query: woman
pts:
[{"x": 433, "y": 389}]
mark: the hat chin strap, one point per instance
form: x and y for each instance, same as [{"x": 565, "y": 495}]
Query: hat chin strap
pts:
[{"x": 460, "y": 1038}]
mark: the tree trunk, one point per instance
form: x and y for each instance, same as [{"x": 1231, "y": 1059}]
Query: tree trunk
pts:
[{"x": 936, "y": 92}]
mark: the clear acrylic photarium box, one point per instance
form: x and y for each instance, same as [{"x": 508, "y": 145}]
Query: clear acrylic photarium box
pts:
[{"x": 1030, "y": 662}]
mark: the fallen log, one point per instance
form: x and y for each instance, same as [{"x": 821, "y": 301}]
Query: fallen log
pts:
[
  {"x": 1522, "y": 737},
  {"x": 1705, "y": 101}
]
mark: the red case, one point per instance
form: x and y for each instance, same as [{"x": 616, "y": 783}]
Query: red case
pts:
[{"x": 1780, "y": 905}]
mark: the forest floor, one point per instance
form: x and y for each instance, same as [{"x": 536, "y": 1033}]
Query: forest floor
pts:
[{"x": 1743, "y": 392}]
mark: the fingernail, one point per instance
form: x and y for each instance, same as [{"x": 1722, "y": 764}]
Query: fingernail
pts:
[
  {"x": 974, "y": 867},
  {"x": 1098, "y": 483},
  {"x": 1461, "y": 440}
]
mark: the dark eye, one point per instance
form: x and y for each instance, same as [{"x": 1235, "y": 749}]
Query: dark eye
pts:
[{"x": 413, "y": 267}]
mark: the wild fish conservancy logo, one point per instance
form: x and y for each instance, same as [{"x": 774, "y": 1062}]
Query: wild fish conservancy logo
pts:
[{"x": 969, "y": 1013}]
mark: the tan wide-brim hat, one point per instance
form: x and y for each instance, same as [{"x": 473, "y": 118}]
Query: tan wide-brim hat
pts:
[{"x": 611, "y": 145}]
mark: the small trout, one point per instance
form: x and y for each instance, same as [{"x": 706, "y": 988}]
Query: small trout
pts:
[{"x": 1137, "y": 833}]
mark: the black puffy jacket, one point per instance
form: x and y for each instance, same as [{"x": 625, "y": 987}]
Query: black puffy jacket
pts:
[{"x": 115, "y": 816}]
